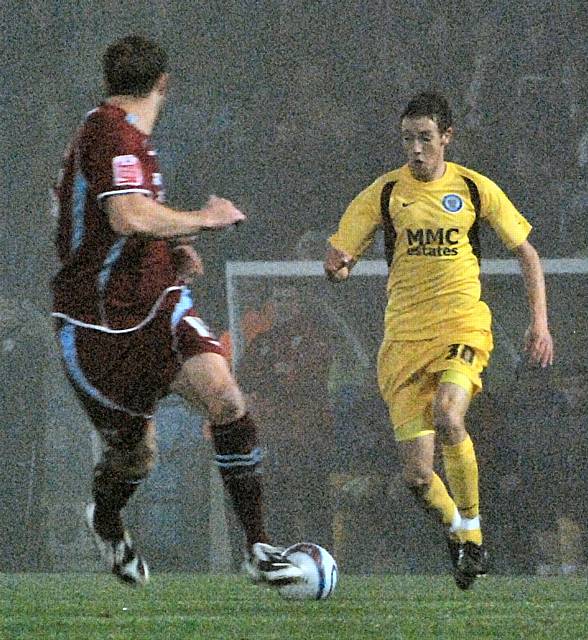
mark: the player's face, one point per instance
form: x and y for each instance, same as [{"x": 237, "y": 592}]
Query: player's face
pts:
[{"x": 425, "y": 146}]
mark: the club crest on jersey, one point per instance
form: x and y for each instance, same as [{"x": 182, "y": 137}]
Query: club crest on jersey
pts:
[
  {"x": 126, "y": 171},
  {"x": 452, "y": 203}
]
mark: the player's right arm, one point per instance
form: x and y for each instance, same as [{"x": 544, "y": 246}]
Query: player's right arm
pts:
[
  {"x": 354, "y": 234},
  {"x": 337, "y": 264},
  {"x": 136, "y": 214},
  {"x": 116, "y": 164}
]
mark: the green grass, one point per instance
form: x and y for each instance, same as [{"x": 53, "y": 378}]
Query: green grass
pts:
[{"x": 194, "y": 606}]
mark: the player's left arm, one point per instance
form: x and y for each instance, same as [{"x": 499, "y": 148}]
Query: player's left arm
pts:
[
  {"x": 188, "y": 262},
  {"x": 538, "y": 340},
  {"x": 513, "y": 229}
]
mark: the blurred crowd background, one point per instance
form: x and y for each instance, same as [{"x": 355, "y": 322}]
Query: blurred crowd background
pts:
[{"x": 290, "y": 109}]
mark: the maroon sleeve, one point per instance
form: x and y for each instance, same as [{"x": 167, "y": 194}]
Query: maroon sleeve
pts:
[{"x": 114, "y": 158}]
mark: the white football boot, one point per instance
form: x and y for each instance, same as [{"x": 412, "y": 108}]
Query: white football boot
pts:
[
  {"x": 119, "y": 555},
  {"x": 265, "y": 563}
]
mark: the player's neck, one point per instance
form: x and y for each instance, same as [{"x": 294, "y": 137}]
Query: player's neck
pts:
[
  {"x": 435, "y": 174},
  {"x": 439, "y": 171},
  {"x": 144, "y": 110}
]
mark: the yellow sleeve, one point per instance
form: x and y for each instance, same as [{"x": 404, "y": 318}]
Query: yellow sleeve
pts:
[
  {"x": 360, "y": 222},
  {"x": 512, "y": 228}
]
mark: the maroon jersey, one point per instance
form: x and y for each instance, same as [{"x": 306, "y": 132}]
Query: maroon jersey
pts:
[{"x": 107, "y": 280}]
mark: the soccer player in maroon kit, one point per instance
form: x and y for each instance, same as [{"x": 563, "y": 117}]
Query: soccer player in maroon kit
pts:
[{"x": 126, "y": 325}]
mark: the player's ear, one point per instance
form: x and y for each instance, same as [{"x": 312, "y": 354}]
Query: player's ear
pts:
[
  {"x": 447, "y": 135},
  {"x": 162, "y": 84}
]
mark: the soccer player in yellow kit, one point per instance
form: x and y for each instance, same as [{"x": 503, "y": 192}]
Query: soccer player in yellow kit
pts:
[{"x": 437, "y": 338}]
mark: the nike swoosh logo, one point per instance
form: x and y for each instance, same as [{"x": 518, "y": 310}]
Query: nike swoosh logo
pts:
[{"x": 407, "y": 204}]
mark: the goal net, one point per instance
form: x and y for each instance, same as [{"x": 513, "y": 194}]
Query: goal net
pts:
[{"x": 349, "y": 316}]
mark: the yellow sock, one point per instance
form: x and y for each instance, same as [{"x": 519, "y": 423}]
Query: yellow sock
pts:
[
  {"x": 470, "y": 530},
  {"x": 461, "y": 469},
  {"x": 438, "y": 499}
]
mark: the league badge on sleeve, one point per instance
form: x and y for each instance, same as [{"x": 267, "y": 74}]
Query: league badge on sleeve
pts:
[{"x": 127, "y": 171}]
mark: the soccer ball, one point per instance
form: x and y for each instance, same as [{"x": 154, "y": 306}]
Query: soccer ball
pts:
[{"x": 319, "y": 572}]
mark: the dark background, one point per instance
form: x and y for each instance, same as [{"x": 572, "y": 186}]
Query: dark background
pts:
[{"x": 289, "y": 109}]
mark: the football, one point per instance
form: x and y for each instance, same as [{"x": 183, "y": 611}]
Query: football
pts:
[{"x": 319, "y": 572}]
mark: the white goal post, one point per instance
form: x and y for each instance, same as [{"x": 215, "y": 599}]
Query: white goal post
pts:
[{"x": 305, "y": 268}]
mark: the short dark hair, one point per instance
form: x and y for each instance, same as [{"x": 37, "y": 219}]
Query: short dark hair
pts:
[
  {"x": 133, "y": 65},
  {"x": 432, "y": 105}
]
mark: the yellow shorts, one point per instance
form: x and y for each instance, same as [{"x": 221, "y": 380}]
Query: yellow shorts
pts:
[{"x": 409, "y": 373}]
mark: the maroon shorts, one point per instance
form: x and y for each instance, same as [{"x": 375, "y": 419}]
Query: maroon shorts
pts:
[{"x": 120, "y": 377}]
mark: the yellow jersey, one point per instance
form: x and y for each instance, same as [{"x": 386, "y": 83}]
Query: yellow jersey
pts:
[{"x": 432, "y": 247}]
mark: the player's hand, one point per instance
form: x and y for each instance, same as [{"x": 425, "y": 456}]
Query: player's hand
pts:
[
  {"x": 188, "y": 262},
  {"x": 337, "y": 264},
  {"x": 539, "y": 344},
  {"x": 219, "y": 213}
]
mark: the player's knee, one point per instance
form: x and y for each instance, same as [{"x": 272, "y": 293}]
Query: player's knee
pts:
[
  {"x": 448, "y": 421},
  {"x": 131, "y": 464},
  {"x": 226, "y": 403},
  {"x": 145, "y": 460}
]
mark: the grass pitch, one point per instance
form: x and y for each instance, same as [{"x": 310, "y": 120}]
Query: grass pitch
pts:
[{"x": 194, "y": 606}]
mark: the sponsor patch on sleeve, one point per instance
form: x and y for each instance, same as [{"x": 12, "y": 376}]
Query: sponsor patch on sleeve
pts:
[{"x": 126, "y": 171}]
